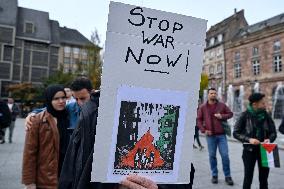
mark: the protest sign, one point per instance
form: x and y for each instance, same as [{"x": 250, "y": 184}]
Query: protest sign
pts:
[{"x": 149, "y": 94}]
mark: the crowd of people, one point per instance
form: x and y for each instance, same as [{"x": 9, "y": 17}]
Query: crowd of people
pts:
[
  {"x": 253, "y": 127},
  {"x": 59, "y": 142}
]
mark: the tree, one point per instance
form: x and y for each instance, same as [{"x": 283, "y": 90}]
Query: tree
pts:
[
  {"x": 24, "y": 91},
  {"x": 203, "y": 84},
  {"x": 95, "y": 38},
  {"x": 59, "y": 77},
  {"x": 94, "y": 60}
]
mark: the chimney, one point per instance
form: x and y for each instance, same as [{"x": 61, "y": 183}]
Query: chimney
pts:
[{"x": 235, "y": 10}]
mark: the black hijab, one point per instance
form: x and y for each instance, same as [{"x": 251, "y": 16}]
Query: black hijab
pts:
[
  {"x": 62, "y": 120},
  {"x": 49, "y": 94}
]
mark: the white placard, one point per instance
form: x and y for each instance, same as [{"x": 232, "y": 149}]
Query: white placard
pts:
[{"x": 149, "y": 94}]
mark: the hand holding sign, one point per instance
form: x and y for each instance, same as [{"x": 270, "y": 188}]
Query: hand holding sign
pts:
[{"x": 138, "y": 182}]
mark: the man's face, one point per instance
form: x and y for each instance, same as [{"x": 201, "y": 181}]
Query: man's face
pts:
[
  {"x": 212, "y": 95},
  {"x": 260, "y": 105},
  {"x": 10, "y": 101},
  {"x": 68, "y": 92},
  {"x": 81, "y": 96}
]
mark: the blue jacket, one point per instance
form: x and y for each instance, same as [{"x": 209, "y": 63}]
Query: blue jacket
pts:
[{"x": 73, "y": 111}]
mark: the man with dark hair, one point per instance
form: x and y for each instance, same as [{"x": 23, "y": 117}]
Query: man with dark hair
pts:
[
  {"x": 209, "y": 118},
  {"x": 253, "y": 127},
  {"x": 15, "y": 111},
  {"x": 81, "y": 88}
]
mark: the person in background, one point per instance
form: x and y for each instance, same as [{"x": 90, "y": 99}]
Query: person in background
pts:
[
  {"x": 196, "y": 133},
  {"x": 209, "y": 118},
  {"x": 46, "y": 142},
  {"x": 5, "y": 119},
  {"x": 253, "y": 127},
  {"x": 70, "y": 98},
  {"x": 15, "y": 111},
  {"x": 281, "y": 126}
]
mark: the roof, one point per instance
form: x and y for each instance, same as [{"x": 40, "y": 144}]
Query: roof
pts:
[
  {"x": 227, "y": 27},
  {"x": 72, "y": 37},
  {"x": 40, "y": 21},
  {"x": 55, "y": 36},
  {"x": 8, "y": 12},
  {"x": 279, "y": 19}
]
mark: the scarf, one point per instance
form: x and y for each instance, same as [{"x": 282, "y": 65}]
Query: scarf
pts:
[
  {"x": 62, "y": 120},
  {"x": 260, "y": 115}
]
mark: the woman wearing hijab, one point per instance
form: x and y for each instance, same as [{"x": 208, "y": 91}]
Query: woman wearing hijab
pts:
[{"x": 46, "y": 142}]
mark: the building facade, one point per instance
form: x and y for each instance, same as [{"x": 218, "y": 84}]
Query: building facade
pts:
[
  {"x": 254, "y": 62},
  {"x": 31, "y": 45},
  {"x": 214, "y": 58}
]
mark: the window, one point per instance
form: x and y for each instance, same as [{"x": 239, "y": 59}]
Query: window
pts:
[
  {"x": 220, "y": 38},
  {"x": 29, "y": 27},
  {"x": 7, "y": 55},
  {"x": 254, "y": 51},
  {"x": 66, "y": 60},
  {"x": 40, "y": 58},
  {"x": 277, "y": 63},
  {"x": 6, "y": 35},
  {"x": 211, "y": 70},
  {"x": 238, "y": 70},
  {"x": 277, "y": 45},
  {"x": 255, "y": 67},
  {"x": 84, "y": 61},
  {"x": 211, "y": 55},
  {"x": 212, "y": 41},
  {"x": 219, "y": 52},
  {"x": 67, "y": 51},
  {"x": 219, "y": 68},
  {"x": 76, "y": 52},
  {"x": 237, "y": 56},
  {"x": 84, "y": 53}
]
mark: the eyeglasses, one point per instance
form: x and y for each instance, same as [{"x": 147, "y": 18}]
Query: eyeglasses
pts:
[{"x": 59, "y": 98}]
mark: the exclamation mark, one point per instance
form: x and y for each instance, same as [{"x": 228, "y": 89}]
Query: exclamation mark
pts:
[{"x": 187, "y": 61}]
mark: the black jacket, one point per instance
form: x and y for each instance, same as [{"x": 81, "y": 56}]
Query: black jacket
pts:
[
  {"x": 15, "y": 111},
  {"x": 245, "y": 128},
  {"x": 281, "y": 126},
  {"x": 5, "y": 115},
  {"x": 77, "y": 166}
]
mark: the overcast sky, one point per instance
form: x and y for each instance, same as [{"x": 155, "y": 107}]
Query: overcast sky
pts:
[{"x": 86, "y": 15}]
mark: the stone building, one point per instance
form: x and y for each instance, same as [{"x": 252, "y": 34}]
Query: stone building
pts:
[
  {"x": 32, "y": 45},
  {"x": 214, "y": 59},
  {"x": 254, "y": 63}
]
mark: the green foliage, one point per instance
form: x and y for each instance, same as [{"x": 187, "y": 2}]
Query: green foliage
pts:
[
  {"x": 94, "y": 70},
  {"x": 24, "y": 91},
  {"x": 203, "y": 84},
  {"x": 59, "y": 77}
]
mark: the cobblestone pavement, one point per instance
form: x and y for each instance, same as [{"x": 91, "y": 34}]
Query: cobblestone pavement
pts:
[{"x": 11, "y": 162}]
